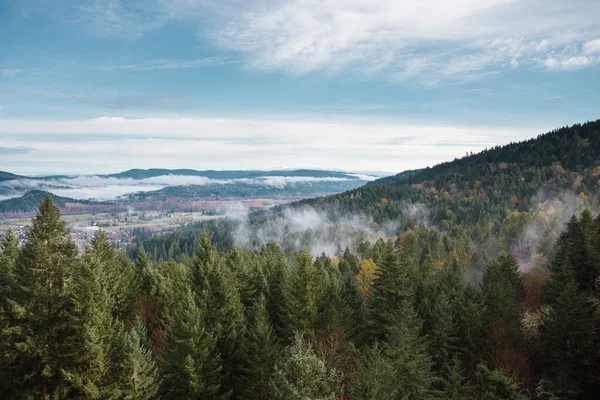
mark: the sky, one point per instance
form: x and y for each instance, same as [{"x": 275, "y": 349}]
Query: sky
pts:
[{"x": 100, "y": 86}]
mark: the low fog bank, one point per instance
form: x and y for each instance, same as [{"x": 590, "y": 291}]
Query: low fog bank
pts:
[
  {"x": 109, "y": 188},
  {"x": 318, "y": 231},
  {"x": 323, "y": 232}
]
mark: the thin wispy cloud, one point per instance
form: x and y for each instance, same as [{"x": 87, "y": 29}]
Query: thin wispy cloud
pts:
[
  {"x": 426, "y": 41},
  {"x": 150, "y": 65}
]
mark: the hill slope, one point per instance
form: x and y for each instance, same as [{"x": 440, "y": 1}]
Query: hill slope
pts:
[
  {"x": 500, "y": 198},
  {"x": 30, "y": 201}
]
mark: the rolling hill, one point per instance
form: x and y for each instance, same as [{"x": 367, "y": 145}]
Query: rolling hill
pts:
[
  {"x": 503, "y": 197},
  {"x": 30, "y": 201}
]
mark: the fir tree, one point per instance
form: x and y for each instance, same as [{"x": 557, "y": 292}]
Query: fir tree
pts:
[
  {"x": 137, "y": 374},
  {"x": 192, "y": 363},
  {"x": 495, "y": 385},
  {"x": 301, "y": 297},
  {"x": 258, "y": 355},
  {"x": 567, "y": 337},
  {"x": 45, "y": 273},
  {"x": 393, "y": 288},
  {"x": 302, "y": 375}
]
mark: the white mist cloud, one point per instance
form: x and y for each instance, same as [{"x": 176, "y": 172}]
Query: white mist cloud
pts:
[
  {"x": 102, "y": 188},
  {"x": 328, "y": 230}
]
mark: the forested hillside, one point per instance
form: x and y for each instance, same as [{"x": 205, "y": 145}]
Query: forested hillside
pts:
[
  {"x": 407, "y": 319},
  {"x": 514, "y": 196},
  {"x": 30, "y": 201}
]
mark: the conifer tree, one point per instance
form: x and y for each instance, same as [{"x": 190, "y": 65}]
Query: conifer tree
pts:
[
  {"x": 258, "y": 354},
  {"x": 192, "y": 362},
  {"x": 301, "y": 375},
  {"x": 9, "y": 254},
  {"x": 45, "y": 274},
  {"x": 93, "y": 329},
  {"x": 136, "y": 373},
  {"x": 301, "y": 297},
  {"x": 354, "y": 310},
  {"x": 215, "y": 289},
  {"x": 375, "y": 377},
  {"x": 567, "y": 337},
  {"x": 393, "y": 287},
  {"x": 409, "y": 356},
  {"x": 455, "y": 384},
  {"x": 117, "y": 274},
  {"x": 275, "y": 267},
  {"x": 495, "y": 385}
]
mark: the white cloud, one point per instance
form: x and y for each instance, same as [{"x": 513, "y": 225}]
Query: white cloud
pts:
[
  {"x": 569, "y": 63},
  {"x": 592, "y": 47},
  {"x": 208, "y": 143},
  {"x": 426, "y": 41},
  {"x": 431, "y": 40},
  {"x": 102, "y": 188},
  {"x": 150, "y": 65}
]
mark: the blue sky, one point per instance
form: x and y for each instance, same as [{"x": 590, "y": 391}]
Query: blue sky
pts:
[{"x": 106, "y": 85}]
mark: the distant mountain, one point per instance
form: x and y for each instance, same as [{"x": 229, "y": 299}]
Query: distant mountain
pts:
[
  {"x": 7, "y": 176},
  {"x": 255, "y": 187},
  {"x": 30, "y": 202},
  {"x": 224, "y": 175}
]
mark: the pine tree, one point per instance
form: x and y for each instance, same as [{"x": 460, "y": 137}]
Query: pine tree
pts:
[
  {"x": 455, "y": 384},
  {"x": 258, "y": 354},
  {"x": 409, "y": 356},
  {"x": 393, "y": 287},
  {"x": 301, "y": 297},
  {"x": 45, "y": 275},
  {"x": 117, "y": 272},
  {"x": 276, "y": 270},
  {"x": 137, "y": 376},
  {"x": 354, "y": 312},
  {"x": 9, "y": 254},
  {"x": 495, "y": 385},
  {"x": 443, "y": 333},
  {"x": 215, "y": 289},
  {"x": 567, "y": 338},
  {"x": 375, "y": 377},
  {"x": 192, "y": 363},
  {"x": 301, "y": 375},
  {"x": 93, "y": 329}
]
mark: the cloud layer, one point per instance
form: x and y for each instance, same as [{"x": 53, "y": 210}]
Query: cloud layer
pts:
[
  {"x": 205, "y": 143},
  {"x": 427, "y": 40},
  {"x": 102, "y": 188}
]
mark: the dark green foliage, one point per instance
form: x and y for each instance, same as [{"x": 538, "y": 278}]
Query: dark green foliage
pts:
[
  {"x": 394, "y": 286},
  {"x": 258, "y": 354},
  {"x": 45, "y": 277},
  {"x": 301, "y": 297},
  {"x": 300, "y": 375},
  {"x": 495, "y": 385},
  {"x": 192, "y": 362},
  {"x": 138, "y": 375},
  {"x": 568, "y": 349}
]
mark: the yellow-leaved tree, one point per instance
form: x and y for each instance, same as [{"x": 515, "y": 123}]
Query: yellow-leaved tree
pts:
[{"x": 366, "y": 276}]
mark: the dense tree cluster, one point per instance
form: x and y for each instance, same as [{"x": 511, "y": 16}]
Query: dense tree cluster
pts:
[{"x": 399, "y": 319}]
